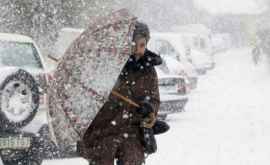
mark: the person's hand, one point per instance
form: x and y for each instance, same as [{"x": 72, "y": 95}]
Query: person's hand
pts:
[
  {"x": 149, "y": 117},
  {"x": 149, "y": 121},
  {"x": 145, "y": 109}
]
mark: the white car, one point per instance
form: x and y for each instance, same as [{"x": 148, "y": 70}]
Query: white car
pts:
[
  {"x": 200, "y": 50},
  {"x": 173, "y": 96},
  {"x": 24, "y": 126},
  {"x": 173, "y": 54}
]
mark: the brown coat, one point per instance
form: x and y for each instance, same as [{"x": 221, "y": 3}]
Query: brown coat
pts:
[{"x": 118, "y": 122}]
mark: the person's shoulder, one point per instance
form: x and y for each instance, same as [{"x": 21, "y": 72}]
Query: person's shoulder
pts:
[{"x": 153, "y": 58}]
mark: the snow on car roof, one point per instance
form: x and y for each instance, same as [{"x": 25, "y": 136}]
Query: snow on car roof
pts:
[
  {"x": 175, "y": 39},
  {"x": 15, "y": 37},
  {"x": 162, "y": 75},
  {"x": 172, "y": 38}
]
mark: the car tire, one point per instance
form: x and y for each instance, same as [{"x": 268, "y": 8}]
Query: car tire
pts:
[{"x": 21, "y": 77}]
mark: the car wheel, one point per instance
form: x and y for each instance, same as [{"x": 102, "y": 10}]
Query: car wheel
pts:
[{"x": 19, "y": 100}]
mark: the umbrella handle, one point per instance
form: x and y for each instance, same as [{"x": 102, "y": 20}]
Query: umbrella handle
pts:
[
  {"x": 148, "y": 122},
  {"x": 125, "y": 99}
]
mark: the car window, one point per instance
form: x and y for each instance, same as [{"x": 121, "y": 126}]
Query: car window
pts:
[{"x": 16, "y": 54}]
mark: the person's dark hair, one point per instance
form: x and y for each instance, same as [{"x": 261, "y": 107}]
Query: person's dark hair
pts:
[{"x": 141, "y": 31}]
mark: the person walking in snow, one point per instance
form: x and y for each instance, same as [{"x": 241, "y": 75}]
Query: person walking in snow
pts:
[
  {"x": 256, "y": 54},
  {"x": 116, "y": 133}
]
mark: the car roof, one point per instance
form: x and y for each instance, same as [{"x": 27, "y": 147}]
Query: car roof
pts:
[
  {"x": 173, "y": 38},
  {"x": 15, "y": 38},
  {"x": 162, "y": 75}
]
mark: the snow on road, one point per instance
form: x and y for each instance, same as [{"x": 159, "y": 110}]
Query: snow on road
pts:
[
  {"x": 72, "y": 161},
  {"x": 226, "y": 120}
]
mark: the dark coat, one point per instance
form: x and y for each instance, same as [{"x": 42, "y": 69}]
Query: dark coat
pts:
[{"x": 138, "y": 81}]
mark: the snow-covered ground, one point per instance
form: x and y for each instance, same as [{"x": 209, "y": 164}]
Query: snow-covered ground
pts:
[
  {"x": 74, "y": 161},
  {"x": 226, "y": 120}
]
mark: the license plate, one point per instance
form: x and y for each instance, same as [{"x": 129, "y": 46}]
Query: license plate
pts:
[
  {"x": 15, "y": 142},
  {"x": 172, "y": 107}
]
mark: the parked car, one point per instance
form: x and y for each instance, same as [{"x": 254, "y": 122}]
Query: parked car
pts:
[
  {"x": 173, "y": 54},
  {"x": 198, "y": 38},
  {"x": 173, "y": 95},
  {"x": 24, "y": 137},
  {"x": 201, "y": 51}
]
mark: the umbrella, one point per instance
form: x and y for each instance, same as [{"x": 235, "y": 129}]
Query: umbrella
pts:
[{"x": 87, "y": 73}]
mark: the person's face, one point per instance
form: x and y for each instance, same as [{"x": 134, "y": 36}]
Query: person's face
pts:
[{"x": 140, "y": 46}]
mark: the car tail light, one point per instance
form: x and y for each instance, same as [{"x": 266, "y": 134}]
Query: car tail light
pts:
[
  {"x": 188, "y": 88},
  {"x": 41, "y": 99},
  {"x": 181, "y": 88}
]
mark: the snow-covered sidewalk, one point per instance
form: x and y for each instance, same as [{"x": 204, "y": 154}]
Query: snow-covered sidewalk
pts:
[{"x": 226, "y": 120}]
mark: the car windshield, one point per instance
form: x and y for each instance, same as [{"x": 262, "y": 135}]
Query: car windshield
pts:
[{"x": 23, "y": 55}]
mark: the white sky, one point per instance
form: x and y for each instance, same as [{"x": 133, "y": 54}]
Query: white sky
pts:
[{"x": 231, "y": 6}]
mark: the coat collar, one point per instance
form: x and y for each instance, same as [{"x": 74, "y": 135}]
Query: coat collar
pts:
[{"x": 149, "y": 60}]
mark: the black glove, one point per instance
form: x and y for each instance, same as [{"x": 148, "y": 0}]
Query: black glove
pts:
[
  {"x": 160, "y": 127},
  {"x": 145, "y": 109}
]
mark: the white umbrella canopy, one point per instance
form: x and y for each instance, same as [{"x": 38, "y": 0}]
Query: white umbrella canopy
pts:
[{"x": 87, "y": 73}]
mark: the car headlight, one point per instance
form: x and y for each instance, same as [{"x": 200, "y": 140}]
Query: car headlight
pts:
[{"x": 19, "y": 99}]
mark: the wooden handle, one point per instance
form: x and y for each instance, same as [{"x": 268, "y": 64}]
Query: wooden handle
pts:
[
  {"x": 148, "y": 122},
  {"x": 125, "y": 99}
]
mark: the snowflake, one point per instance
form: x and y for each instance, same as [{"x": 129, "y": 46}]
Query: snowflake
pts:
[
  {"x": 113, "y": 123},
  {"x": 147, "y": 98},
  {"x": 125, "y": 116},
  {"x": 125, "y": 135}
]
